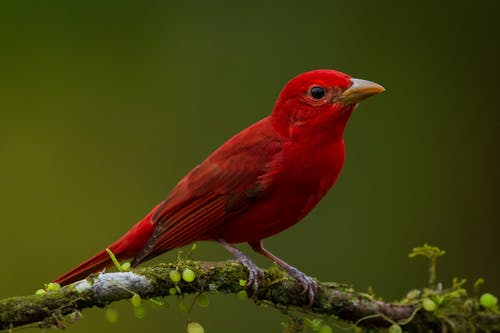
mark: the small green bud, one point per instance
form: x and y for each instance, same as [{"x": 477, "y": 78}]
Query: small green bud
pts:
[
  {"x": 139, "y": 312},
  {"x": 53, "y": 286},
  {"x": 429, "y": 305},
  {"x": 136, "y": 300},
  {"x": 174, "y": 275},
  {"x": 188, "y": 275},
  {"x": 325, "y": 329},
  {"x": 194, "y": 327},
  {"x": 242, "y": 295},
  {"x": 488, "y": 301},
  {"x": 203, "y": 300},
  {"x": 478, "y": 283},
  {"x": 40, "y": 292},
  {"x": 243, "y": 283},
  {"x": 125, "y": 266},
  {"x": 172, "y": 291},
  {"x": 111, "y": 315},
  {"x": 395, "y": 328},
  {"x": 438, "y": 299},
  {"x": 412, "y": 294}
]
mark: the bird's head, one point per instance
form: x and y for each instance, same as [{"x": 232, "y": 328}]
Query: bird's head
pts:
[{"x": 318, "y": 103}]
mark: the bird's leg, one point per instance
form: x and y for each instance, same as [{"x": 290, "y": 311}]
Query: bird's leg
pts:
[
  {"x": 254, "y": 272},
  {"x": 310, "y": 285}
]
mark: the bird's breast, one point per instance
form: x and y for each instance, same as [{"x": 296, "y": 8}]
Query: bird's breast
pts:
[
  {"x": 304, "y": 177},
  {"x": 308, "y": 175}
]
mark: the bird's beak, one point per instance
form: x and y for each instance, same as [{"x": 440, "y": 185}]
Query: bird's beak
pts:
[{"x": 359, "y": 90}]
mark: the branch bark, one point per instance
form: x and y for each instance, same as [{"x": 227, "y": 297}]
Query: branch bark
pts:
[{"x": 459, "y": 313}]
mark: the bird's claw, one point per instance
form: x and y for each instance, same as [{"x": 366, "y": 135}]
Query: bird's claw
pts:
[
  {"x": 310, "y": 285},
  {"x": 254, "y": 274}
]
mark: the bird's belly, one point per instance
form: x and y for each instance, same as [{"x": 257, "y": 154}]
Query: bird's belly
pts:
[{"x": 277, "y": 212}]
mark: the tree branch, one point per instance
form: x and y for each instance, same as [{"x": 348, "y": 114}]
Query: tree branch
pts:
[{"x": 457, "y": 312}]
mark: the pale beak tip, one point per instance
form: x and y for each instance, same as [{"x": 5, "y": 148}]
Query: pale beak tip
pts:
[{"x": 380, "y": 87}]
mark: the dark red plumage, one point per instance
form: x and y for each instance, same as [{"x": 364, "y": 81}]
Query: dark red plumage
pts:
[{"x": 258, "y": 183}]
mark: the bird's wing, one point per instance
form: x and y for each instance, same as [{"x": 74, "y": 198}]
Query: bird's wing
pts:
[{"x": 224, "y": 185}]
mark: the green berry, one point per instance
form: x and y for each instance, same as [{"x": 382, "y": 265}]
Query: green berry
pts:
[
  {"x": 429, "y": 305},
  {"x": 395, "y": 328},
  {"x": 111, "y": 315},
  {"x": 488, "y": 301},
  {"x": 52, "y": 286},
  {"x": 203, "y": 300},
  {"x": 125, "y": 266},
  {"x": 175, "y": 276},
  {"x": 325, "y": 329},
  {"x": 194, "y": 327},
  {"x": 40, "y": 292},
  {"x": 172, "y": 291},
  {"x": 188, "y": 275},
  {"x": 242, "y": 294},
  {"x": 136, "y": 300}
]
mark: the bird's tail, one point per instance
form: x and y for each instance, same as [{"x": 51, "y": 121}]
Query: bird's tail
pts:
[
  {"x": 124, "y": 248},
  {"x": 94, "y": 264}
]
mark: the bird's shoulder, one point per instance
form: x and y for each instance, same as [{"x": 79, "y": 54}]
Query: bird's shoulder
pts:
[
  {"x": 248, "y": 155},
  {"x": 245, "y": 165}
]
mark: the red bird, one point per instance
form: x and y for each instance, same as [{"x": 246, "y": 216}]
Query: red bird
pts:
[{"x": 260, "y": 182}]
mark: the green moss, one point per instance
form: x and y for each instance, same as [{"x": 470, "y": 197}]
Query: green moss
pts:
[{"x": 431, "y": 253}]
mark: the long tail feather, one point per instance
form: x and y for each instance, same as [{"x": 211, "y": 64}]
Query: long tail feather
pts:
[
  {"x": 98, "y": 262},
  {"x": 124, "y": 248}
]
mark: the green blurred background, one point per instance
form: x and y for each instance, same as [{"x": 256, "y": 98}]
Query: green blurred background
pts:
[{"x": 106, "y": 105}]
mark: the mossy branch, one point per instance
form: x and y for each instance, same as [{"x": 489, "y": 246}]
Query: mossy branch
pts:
[{"x": 456, "y": 313}]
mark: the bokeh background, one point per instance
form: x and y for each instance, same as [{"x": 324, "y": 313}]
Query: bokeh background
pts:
[{"x": 104, "y": 106}]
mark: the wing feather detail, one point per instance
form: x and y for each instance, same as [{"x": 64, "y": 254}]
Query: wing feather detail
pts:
[{"x": 220, "y": 188}]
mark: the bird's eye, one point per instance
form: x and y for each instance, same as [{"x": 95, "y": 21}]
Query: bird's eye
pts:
[{"x": 317, "y": 92}]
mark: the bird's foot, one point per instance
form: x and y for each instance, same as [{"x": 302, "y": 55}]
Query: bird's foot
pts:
[
  {"x": 255, "y": 274},
  {"x": 310, "y": 285}
]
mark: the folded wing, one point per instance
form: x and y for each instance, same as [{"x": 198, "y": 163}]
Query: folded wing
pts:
[{"x": 227, "y": 183}]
